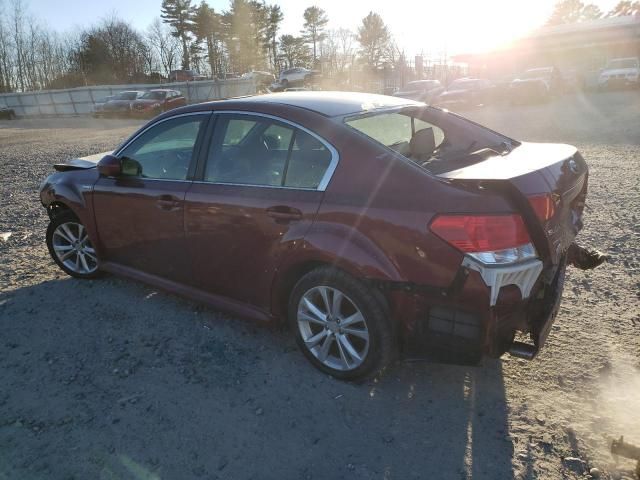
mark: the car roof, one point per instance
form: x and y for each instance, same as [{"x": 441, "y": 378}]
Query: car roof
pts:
[{"x": 329, "y": 104}]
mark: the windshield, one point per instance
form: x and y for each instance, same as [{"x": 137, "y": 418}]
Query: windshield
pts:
[
  {"x": 126, "y": 96},
  {"x": 623, "y": 63},
  {"x": 153, "y": 95},
  {"x": 536, "y": 73},
  {"x": 434, "y": 139},
  {"x": 422, "y": 85},
  {"x": 463, "y": 84}
]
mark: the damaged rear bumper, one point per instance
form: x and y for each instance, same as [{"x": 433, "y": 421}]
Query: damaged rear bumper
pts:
[{"x": 483, "y": 313}]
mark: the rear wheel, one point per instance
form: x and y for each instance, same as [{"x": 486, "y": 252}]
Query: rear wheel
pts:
[
  {"x": 340, "y": 324},
  {"x": 70, "y": 246}
]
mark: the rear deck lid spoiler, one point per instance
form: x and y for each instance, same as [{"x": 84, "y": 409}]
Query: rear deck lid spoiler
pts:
[{"x": 524, "y": 159}]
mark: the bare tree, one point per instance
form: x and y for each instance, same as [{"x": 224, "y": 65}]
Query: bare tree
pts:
[
  {"x": 164, "y": 44},
  {"x": 6, "y": 60}
]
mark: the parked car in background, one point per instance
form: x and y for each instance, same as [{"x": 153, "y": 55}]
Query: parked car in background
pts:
[
  {"x": 7, "y": 113},
  {"x": 467, "y": 92},
  {"x": 296, "y": 76},
  {"x": 99, "y": 105},
  {"x": 154, "y": 102},
  {"x": 620, "y": 72},
  {"x": 261, "y": 79},
  {"x": 228, "y": 76},
  {"x": 120, "y": 104},
  {"x": 421, "y": 90},
  {"x": 371, "y": 224},
  {"x": 536, "y": 85},
  {"x": 185, "y": 76}
]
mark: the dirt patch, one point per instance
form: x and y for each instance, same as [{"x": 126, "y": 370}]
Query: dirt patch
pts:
[{"x": 112, "y": 379}]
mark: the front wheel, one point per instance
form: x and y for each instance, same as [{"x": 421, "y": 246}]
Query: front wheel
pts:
[
  {"x": 340, "y": 324},
  {"x": 70, "y": 246}
]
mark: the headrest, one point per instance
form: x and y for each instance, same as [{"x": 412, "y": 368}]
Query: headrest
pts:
[{"x": 423, "y": 143}]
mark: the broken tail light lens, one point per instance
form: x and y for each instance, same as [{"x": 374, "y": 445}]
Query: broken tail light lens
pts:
[
  {"x": 544, "y": 206},
  {"x": 490, "y": 239}
]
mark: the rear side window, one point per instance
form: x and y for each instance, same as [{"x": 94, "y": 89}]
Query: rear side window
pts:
[
  {"x": 252, "y": 150},
  {"x": 436, "y": 140},
  {"x": 308, "y": 162},
  {"x": 395, "y": 130}
]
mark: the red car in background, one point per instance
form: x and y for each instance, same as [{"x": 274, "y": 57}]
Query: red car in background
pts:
[
  {"x": 156, "y": 101},
  {"x": 372, "y": 224}
]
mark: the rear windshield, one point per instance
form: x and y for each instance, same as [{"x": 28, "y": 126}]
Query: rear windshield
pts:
[
  {"x": 126, "y": 96},
  {"x": 154, "y": 95},
  {"x": 623, "y": 63},
  {"x": 436, "y": 140}
]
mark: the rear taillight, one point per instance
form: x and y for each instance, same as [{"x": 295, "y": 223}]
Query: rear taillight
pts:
[
  {"x": 543, "y": 205},
  {"x": 490, "y": 239}
]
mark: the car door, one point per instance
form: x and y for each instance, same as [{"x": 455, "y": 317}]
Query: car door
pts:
[
  {"x": 257, "y": 195},
  {"x": 140, "y": 213}
]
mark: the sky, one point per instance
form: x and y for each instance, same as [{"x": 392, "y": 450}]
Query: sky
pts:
[{"x": 434, "y": 28}]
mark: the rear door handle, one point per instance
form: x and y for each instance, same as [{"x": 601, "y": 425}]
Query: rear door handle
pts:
[
  {"x": 284, "y": 213},
  {"x": 168, "y": 202}
]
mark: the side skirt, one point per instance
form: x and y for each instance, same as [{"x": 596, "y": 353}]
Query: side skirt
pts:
[{"x": 218, "y": 302}]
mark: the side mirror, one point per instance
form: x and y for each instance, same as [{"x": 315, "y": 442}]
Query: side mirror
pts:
[{"x": 109, "y": 166}]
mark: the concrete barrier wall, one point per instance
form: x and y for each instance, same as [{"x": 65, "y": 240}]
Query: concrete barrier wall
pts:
[{"x": 80, "y": 100}]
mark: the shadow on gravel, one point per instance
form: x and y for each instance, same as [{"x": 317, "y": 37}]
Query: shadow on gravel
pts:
[{"x": 111, "y": 379}]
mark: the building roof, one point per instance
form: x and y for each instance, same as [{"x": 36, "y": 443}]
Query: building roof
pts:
[{"x": 585, "y": 34}]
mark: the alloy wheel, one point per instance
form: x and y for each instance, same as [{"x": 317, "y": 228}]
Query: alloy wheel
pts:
[
  {"x": 332, "y": 328},
  {"x": 73, "y": 248}
]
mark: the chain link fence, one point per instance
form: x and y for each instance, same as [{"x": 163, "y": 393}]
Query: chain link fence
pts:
[{"x": 80, "y": 100}]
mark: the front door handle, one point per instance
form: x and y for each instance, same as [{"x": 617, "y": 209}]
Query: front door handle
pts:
[
  {"x": 168, "y": 202},
  {"x": 284, "y": 214}
]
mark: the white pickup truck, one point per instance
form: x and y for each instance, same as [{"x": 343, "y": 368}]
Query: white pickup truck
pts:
[{"x": 620, "y": 72}]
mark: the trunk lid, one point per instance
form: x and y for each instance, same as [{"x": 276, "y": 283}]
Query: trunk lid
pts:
[{"x": 534, "y": 169}]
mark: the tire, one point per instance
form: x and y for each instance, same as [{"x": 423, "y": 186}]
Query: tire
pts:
[
  {"x": 372, "y": 347},
  {"x": 70, "y": 247},
  {"x": 284, "y": 83}
]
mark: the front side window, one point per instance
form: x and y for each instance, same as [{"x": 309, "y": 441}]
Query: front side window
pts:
[
  {"x": 165, "y": 151},
  {"x": 251, "y": 150}
]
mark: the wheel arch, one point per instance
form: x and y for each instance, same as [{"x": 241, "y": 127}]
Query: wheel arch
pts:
[{"x": 290, "y": 272}]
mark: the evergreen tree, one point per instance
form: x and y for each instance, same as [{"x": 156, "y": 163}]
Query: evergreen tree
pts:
[
  {"x": 179, "y": 14},
  {"x": 275, "y": 17},
  {"x": 208, "y": 29},
  {"x": 315, "y": 22},
  {"x": 624, "y": 8},
  {"x": 294, "y": 51},
  {"x": 573, "y": 11},
  {"x": 374, "y": 38}
]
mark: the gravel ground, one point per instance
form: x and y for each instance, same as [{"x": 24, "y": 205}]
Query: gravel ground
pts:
[{"x": 111, "y": 379}]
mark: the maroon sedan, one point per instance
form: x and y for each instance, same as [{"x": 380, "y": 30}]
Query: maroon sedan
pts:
[
  {"x": 372, "y": 224},
  {"x": 154, "y": 102}
]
